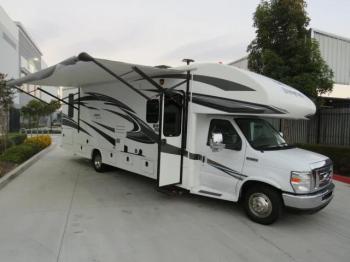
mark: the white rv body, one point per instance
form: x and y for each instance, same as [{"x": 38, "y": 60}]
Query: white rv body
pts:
[{"x": 111, "y": 118}]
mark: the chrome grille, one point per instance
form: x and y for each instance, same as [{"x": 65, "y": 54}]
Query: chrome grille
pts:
[{"x": 323, "y": 176}]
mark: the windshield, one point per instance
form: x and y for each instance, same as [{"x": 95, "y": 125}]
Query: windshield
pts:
[{"x": 261, "y": 135}]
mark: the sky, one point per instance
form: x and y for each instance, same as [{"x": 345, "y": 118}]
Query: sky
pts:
[{"x": 155, "y": 32}]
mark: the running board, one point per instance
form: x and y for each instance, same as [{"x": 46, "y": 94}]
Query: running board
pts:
[{"x": 209, "y": 193}]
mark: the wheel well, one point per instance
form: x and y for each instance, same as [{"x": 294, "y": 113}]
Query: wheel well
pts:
[
  {"x": 252, "y": 183},
  {"x": 94, "y": 152}
]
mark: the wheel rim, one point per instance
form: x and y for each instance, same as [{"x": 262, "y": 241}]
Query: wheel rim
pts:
[
  {"x": 98, "y": 161},
  {"x": 260, "y": 205}
]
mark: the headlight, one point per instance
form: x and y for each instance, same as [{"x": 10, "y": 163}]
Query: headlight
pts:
[{"x": 301, "y": 181}]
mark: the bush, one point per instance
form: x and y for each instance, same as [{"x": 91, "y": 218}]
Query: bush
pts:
[
  {"x": 20, "y": 153},
  {"x": 339, "y": 155},
  {"x": 17, "y": 138},
  {"x": 12, "y": 140},
  {"x": 41, "y": 141}
]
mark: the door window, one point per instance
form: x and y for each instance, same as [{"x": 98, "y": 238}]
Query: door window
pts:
[
  {"x": 172, "y": 115},
  {"x": 231, "y": 139}
]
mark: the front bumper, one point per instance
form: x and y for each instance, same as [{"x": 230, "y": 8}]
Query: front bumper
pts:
[{"x": 311, "y": 201}]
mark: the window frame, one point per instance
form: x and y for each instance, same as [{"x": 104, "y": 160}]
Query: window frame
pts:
[{"x": 234, "y": 129}]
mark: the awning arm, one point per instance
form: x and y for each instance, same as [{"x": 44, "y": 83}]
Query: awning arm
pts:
[
  {"x": 149, "y": 79},
  {"x": 87, "y": 58},
  {"x": 59, "y": 99},
  {"x": 27, "y": 93}
]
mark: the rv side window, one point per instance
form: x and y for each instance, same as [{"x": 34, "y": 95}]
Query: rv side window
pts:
[
  {"x": 70, "y": 106},
  {"x": 172, "y": 115},
  {"x": 152, "y": 111},
  {"x": 231, "y": 139}
]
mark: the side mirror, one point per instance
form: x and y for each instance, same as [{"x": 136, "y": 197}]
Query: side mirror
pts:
[{"x": 216, "y": 142}]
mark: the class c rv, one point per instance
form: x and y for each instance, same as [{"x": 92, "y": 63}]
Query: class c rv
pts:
[{"x": 200, "y": 127}]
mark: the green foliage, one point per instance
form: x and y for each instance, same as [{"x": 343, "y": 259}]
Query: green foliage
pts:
[
  {"x": 284, "y": 50},
  {"x": 36, "y": 108},
  {"x": 12, "y": 139},
  {"x": 339, "y": 155},
  {"x": 6, "y": 94},
  {"x": 17, "y": 138},
  {"x": 20, "y": 153}
]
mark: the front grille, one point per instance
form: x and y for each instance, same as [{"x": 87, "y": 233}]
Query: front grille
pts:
[{"x": 323, "y": 176}]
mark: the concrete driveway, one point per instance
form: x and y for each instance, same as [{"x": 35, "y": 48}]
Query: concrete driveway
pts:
[{"x": 60, "y": 209}]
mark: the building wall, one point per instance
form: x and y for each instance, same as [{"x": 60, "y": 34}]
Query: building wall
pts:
[
  {"x": 335, "y": 50},
  {"x": 241, "y": 63},
  {"x": 8, "y": 46},
  {"x": 29, "y": 57}
]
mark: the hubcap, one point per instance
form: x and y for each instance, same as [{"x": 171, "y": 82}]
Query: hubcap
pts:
[
  {"x": 260, "y": 205},
  {"x": 98, "y": 161}
]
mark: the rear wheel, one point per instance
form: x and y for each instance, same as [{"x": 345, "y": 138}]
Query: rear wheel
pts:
[
  {"x": 97, "y": 162},
  {"x": 263, "y": 204}
]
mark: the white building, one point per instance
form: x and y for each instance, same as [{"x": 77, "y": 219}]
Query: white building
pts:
[
  {"x": 9, "y": 63},
  {"x": 335, "y": 50},
  {"x": 19, "y": 56}
]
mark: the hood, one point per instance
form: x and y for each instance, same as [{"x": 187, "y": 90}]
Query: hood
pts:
[{"x": 295, "y": 159}]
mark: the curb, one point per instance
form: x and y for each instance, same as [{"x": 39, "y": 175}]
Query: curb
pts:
[
  {"x": 22, "y": 167},
  {"x": 343, "y": 179}
]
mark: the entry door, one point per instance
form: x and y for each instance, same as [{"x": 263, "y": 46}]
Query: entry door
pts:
[
  {"x": 170, "y": 163},
  {"x": 222, "y": 168}
]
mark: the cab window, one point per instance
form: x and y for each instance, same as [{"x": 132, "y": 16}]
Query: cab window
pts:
[{"x": 231, "y": 139}]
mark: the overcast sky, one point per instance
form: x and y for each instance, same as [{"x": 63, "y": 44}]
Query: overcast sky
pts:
[{"x": 155, "y": 31}]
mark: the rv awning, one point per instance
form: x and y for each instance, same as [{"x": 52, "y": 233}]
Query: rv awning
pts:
[{"x": 75, "y": 72}]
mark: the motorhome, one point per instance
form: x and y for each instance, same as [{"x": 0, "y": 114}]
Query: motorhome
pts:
[{"x": 200, "y": 127}]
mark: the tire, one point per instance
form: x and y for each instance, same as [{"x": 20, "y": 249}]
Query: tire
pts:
[
  {"x": 263, "y": 204},
  {"x": 97, "y": 162}
]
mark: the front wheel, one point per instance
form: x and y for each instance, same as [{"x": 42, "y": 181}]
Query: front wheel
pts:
[
  {"x": 263, "y": 204},
  {"x": 97, "y": 162}
]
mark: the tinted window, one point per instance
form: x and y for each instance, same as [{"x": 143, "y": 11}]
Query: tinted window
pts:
[
  {"x": 70, "y": 106},
  {"x": 231, "y": 139},
  {"x": 152, "y": 111},
  {"x": 172, "y": 115}
]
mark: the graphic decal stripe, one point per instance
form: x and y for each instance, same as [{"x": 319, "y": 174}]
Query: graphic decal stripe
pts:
[
  {"x": 110, "y": 100},
  {"x": 170, "y": 149},
  {"x": 225, "y": 169},
  {"x": 234, "y": 106},
  {"x": 107, "y": 127},
  {"x": 104, "y": 135},
  {"x": 209, "y": 80},
  {"x": 73, "y": 124},
  {"x": 141, "y": 131}
]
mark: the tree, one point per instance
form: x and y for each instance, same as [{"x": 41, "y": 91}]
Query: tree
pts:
[
  {"x": 284, "y": 50},
  {"x": 52, "y": 107},
  {"x": 36, "y": 109},
  {"x": 6, "y": 101}
]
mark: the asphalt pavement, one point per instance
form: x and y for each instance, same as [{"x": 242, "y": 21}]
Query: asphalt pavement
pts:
[{"x": 60, "y": 209}]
